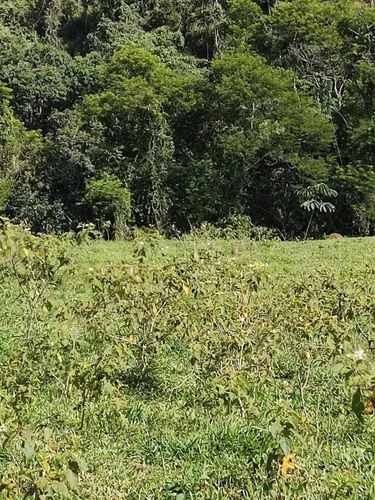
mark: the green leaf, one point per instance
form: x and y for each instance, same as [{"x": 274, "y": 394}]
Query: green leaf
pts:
[
  {"x": 275, "y": 428},
  {"x": 339, "y": 368},
  {"x": 82, "y": 465},
  {"x": 284, "y": 445},
  {"x": 61, "y": 488},
  {"x": 72, "y": 479},
  {"x": 357, "y": 405},
  {"x": 28, "y": 448},
  {"x": 47, "y": 434}
]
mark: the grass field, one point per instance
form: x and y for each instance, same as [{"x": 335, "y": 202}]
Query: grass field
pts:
[{"x": 189, "y": 370}]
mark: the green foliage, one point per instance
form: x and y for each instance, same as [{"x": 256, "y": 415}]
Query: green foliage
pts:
[
  {"x": 36, "y": 267},
  {"x": 5, "y": 190},
  {"x": 35, "y": 208},
  {"x": 234, "y": 227},
  {"x": 202, "y": 109},
  {"x": 179, "y": 357},
  {"x": 313, "y": 200},
  {"x": 109, "y": 199}
]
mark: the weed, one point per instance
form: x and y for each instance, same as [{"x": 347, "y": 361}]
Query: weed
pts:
[{"x": 192, "y": 369}]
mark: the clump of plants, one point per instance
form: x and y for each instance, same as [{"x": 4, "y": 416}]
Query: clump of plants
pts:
[
  {"x": 110, "y": 201},
  {"x": 206, "y": 367},
  {"x": 234, "y": 227}
]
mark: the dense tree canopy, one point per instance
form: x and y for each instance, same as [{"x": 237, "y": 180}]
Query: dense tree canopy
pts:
[{"x": 196, "y": 111}]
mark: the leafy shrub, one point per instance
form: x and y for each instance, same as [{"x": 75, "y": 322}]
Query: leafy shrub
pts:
[
  {"x": 234, "y": 227},
  {"x": 175, "y": 355},
  {"x": 110, "y": 200},
  {"x": 37, "y": 265},
  {"x": 35, "y": 209}
]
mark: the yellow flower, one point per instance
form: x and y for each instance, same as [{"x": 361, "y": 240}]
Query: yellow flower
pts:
[
  {"x": 287, "y": 465},
  {"x": 369, "y": 408}
]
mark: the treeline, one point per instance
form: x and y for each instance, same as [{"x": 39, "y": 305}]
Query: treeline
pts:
[{"x": 172, "y": 113}]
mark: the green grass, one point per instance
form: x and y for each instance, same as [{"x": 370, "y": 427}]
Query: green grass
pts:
[{"x": 275, "y": 377}]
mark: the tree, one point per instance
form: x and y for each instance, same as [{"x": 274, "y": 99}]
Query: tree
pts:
[
  {"x": 134, "y": 112},
  {"x": 261, "y": 128},
  {"x": 201, "y": 109},
  {"x": 19, "y": 149},
  {"x": 313, "y": 201}
]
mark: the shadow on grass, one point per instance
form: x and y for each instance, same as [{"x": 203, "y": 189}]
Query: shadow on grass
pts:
[{"x": 146, "y": 384}]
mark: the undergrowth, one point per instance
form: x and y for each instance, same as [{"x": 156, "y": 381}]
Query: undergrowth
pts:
[{"x": 188, "y": 370}]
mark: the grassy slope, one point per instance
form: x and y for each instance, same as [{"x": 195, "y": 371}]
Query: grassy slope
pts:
[{"x": 166, "y": 440}]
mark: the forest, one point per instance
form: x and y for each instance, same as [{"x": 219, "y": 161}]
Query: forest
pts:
[{"x": 176, "y": 113}]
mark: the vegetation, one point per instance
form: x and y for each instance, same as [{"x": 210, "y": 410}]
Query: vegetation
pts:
[
  {"x": 221, "y": 362},
  {"x": 200, "y": 110},
  {"x": 194, "y": 369}
]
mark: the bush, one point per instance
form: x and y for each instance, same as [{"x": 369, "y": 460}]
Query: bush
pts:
[
  {"x": 109, "y": 200},
  {"x": 235, "y": 227},
  {"x": 35, "y": 208}
]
